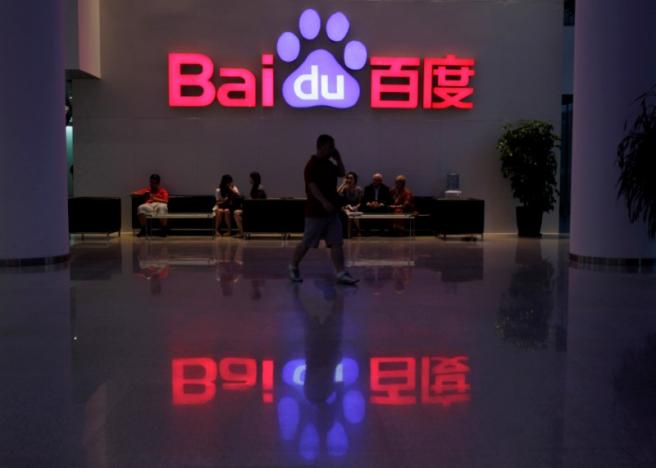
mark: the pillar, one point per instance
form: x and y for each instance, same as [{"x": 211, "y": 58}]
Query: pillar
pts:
[
  {"x": 33, "y": 197},
  {"x": 614, "y": 63}
]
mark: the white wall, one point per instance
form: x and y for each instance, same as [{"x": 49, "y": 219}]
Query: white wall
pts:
[{"x": 125, "y": 130}]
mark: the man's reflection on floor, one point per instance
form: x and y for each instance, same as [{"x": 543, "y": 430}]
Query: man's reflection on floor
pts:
[
  {"x": 323, "y": 316},
  {"x": 328, "y": 401},
  {"x": 152, "y": 263}
]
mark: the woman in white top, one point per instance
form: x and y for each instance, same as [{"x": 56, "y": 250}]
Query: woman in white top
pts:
[{"x": 228, "y": 205}]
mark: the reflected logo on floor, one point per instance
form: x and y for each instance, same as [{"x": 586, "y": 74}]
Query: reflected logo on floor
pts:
[
  {"x": 314, "y": 414},
  {"x": 316, "y": 406}
]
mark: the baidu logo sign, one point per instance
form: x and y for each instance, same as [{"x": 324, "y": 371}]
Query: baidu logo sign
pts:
[{"x": 321, "y": 80}]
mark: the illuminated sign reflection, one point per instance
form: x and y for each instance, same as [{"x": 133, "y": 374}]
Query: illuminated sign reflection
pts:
[
  {"x": 392, "y": 380},
  {"x": 317, "y": 421}
]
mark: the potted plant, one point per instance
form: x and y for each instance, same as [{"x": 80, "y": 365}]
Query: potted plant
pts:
[
  {"x": 528, "y": 160},
  {"x": 636, "y": 158}
]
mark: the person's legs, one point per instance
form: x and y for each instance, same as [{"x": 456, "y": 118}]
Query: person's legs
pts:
[
  {"x": 337, "y": 257},
  {"x": 162, "y": 209},
  {"x": 311, "y": 237},
  {"x": 333, "y": 236},
  {"x": 219, "y": 219},
  {"x": 143, "y": 211},
  {"x": 238, "y": 220},
  {"x": 299, "y": 252},
  {"x": 228, "y": 220}
]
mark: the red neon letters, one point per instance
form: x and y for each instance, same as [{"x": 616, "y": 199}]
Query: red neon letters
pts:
[
  {"x": 203, "y": 386},
  {"x": 267, "y": 381},
  {"x": 179, "y": 80},
  {"x": 444, "y": 380},
  {"x": 239, "y": 90},
  {"x": 194, "y": 379},
  {"x": 395, "y": 82},
  {"x": 403, "y": 92},
  {"x": 452, "y": 85},
  {"x": 393, "y": 380}
]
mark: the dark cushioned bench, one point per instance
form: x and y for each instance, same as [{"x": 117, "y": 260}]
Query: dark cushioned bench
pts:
[
  {"x": 180, "y": 204},
  {"x": 94, "y": 215},
  {"x": 274, "y": 215},
  {"x": 287, "y": 215}
]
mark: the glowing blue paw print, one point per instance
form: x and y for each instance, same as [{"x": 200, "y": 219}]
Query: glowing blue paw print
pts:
[
  {"x": 321, "y": 80},
  {"x": 299, "y": 421}
]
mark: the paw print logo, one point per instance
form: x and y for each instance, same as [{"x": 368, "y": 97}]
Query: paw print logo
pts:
[
  {"x": 321, "y": 80},
  {"x": 318, "y": 430}
]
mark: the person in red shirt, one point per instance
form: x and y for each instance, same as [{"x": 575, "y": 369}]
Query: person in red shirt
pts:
[
  {"x": 156, "y": 204},
  {"x": 322, "y": 210}
]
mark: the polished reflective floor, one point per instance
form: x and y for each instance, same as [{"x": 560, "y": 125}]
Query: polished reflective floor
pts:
[{"x": 198, "y": 353}]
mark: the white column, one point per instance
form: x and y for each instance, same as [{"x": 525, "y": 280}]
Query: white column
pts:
[
  {"x": 614, "y": 63},
  {"x": 33, "y": 198}
]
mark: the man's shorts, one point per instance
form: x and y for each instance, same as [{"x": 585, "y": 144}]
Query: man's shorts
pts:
[
  {"x": 328, "y": 228},
  {"x": 153, "y": 209}
]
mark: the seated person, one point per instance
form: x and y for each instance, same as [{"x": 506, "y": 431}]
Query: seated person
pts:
[
  {"x": 402, "y": 199},
  {"x": 228, "y": 205},
  {"x": 402, "y": 202},
  {"x": 257, "y": 189},
  {"x": 350, "y": 192},
  {"x": 376, "y": 197},
  {"x": 156, "y": 204}
]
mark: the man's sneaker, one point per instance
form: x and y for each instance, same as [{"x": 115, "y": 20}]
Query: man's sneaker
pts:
[
  {"x": 295, "y": 274},
  {"x": 141, "y": 233},
  {"x": 345, "y": 278}
]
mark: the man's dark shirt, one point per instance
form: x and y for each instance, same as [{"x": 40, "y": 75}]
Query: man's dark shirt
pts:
[
  {"x": 384, "y": 196},
  {"x": 324, "y": 174}
]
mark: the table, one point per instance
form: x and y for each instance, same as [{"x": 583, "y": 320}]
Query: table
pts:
[
  {"x": 209, "y": 216},
  {"x": 409, "y": 217}
]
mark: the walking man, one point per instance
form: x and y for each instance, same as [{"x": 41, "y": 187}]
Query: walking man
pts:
[{"x": 322, "y": 210}]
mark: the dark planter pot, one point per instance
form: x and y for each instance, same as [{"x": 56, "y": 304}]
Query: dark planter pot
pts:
[{"x": 529, "y": 221}]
